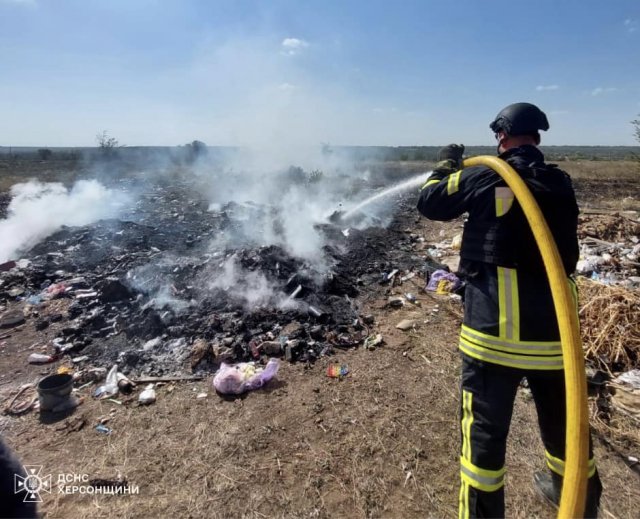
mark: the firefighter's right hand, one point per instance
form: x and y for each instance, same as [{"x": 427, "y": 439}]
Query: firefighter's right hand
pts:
[{"x": 450, "y": 158}]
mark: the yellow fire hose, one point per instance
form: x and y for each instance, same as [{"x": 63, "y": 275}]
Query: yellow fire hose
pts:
[{"x": 577, "y": 436}]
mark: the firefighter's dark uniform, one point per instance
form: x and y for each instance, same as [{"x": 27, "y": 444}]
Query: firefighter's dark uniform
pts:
[{"x": 510, "y": 329}]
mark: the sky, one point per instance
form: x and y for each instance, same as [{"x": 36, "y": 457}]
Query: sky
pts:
[{"x": 365, "y": 72}]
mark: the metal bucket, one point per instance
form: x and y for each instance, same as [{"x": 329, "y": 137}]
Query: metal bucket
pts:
[{"x": 54, "y": 393}]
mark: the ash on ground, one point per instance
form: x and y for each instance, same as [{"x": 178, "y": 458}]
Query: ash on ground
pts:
[{"x": 175, "y": 286}]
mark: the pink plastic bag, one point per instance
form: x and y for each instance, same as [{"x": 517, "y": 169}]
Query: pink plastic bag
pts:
[{"x": 235, "y": 379}]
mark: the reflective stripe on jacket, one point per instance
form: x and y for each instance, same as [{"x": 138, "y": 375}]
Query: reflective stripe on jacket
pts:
[{"x": 509, "y": 315}]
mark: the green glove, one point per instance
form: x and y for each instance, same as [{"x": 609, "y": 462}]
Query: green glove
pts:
[{"x": 450, "y": 158}]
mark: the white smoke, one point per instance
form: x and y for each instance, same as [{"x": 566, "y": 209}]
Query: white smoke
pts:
[
  {"x": 38, "y": 209},
  {"x": 280, "y": 112},
  {"x": 251, "y": 287}
]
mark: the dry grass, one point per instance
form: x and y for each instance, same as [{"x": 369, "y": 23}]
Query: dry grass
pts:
[
  {"x": 620, "y": 430},
  {"x": 601, "y": 169},
  {"x": 610, "y": 324}
]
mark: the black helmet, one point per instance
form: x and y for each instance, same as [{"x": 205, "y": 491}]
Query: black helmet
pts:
[{"x": 520, "y": 119}]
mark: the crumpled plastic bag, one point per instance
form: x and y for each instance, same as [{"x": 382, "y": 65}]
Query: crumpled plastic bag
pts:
[
  {"x": 235, "y": 379},
  {"x": 443, "y": 282},
  {"x": 631, "y": 378},
  {"x": 110, "y": 387}
]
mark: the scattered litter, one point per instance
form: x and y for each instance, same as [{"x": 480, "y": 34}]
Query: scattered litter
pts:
[
  {"x": 7, "y": 265},
  {"x": 456, "y": 242},
  {"x": 23, "y": 401},
  {"x": 386, "y": 278},
  {"x": 41, "y": 358},
  {"x": 406, "y": 324},
  {"x": 395, "y": 302},
  {"x": 200, "y": 396},
  {"x": 373, "y": 341},
  {"x": 125, "y": 386},
  {"x": 55, "y": 290},
  {"x": 609, "y": 250},
  {"x": 103, "y": 429},
  {"x": 369, "y": 319},
  {"x": 152, "y": 344},
  {"x": 110, "y": 387},
  {"x": 34, "y": 300},
  {"x": 337, "y": 370},
  {"x": 631, "y": 378},
  {"x": 199, "y": 351},
  {"x": 54, "y": 393},
  {"x": 411, "y": 298},
  {"x": 443, "y": 282},
  {"x": 435, "y": 252},
  {"x": 148, "y": 396},
  {"x": 271, "y": 348},
  {"x": 408, "y": 276},
  {"x": 11, "y": 319},
  {"x": 90, "y": 375},
  {"x": 85, "y": 294},
  {"x": 627, "y": 400},
  {"x": 245, "y": 376}
]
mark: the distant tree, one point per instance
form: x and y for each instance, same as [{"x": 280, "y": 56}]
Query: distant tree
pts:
[
  {"x": 108, "y": 145},
  {"x": 106, "y": 142},
  {"x": 194, "y": 150},
  {"x": 315, "y": 176},
  {"x": 44, "y": 153},
  {"x": 636, "y": 129},
  {"x": 199, "y": 148}
]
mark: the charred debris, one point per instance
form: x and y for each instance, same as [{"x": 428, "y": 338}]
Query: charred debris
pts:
[{"x": 175, "y": 286}]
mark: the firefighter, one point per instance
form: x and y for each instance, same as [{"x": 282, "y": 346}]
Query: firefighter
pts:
[{"x": 510, "y": 330}]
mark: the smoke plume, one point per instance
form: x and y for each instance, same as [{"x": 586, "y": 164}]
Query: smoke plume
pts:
[{"x": 37, "y": 210}]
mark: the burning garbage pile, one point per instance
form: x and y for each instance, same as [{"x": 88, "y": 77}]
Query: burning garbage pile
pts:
[{"x": 174, "y": 286}]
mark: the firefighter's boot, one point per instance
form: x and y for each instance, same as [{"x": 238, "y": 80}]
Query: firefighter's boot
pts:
[{"x": 549, "y": 486}]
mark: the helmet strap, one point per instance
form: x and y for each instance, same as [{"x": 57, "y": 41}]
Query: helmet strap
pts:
[{"x": 501, "y": 139}]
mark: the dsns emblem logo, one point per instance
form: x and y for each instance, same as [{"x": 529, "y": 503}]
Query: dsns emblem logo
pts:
[{"x": 32, "y": 484}]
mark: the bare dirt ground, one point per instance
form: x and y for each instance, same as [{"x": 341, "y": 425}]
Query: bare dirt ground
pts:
[{"x": 381, "y": 442}]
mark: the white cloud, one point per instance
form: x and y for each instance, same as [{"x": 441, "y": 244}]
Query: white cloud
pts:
[
  {"x": 603, "y": 90},
  {"x": 286, "y": 87},
  {"x": 293, "y": 46},
  {"x": 631, "y": 25},
  {"x": 542, "y": 88}
]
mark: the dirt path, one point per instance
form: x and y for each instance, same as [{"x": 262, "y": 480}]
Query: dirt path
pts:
[{"x": 382, "y": 442}]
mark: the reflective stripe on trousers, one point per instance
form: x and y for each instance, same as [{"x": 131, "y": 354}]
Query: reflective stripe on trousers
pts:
[
  {"x": 557, "y": 465},
  {"x": 472, "y": 476}
]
